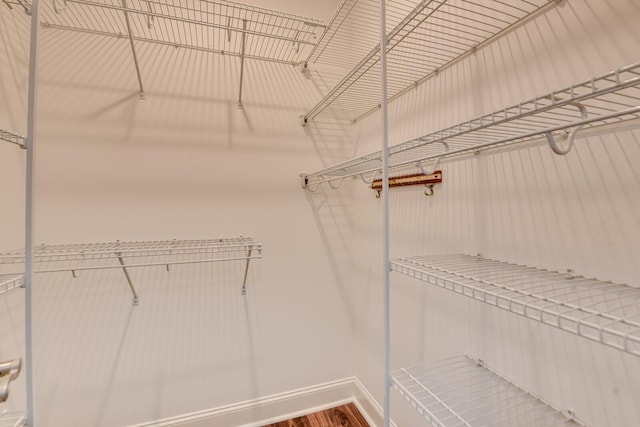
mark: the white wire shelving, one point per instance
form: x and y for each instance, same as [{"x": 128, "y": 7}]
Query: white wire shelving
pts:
[
  {"x": 462, "y": 391},
  {"x": 600, "y": 311},
  {"x": 353, "y": 31},
  {"x": 10, "y": 282},
  {"x": 12, "y": 138},
  {"x": 204, "y": 25},
  {"x": 611, "y": 98},
  {"x": 433, "y": 36},
  {"x": 12, "y": 419},
  {"x": 116, "y": 255}
]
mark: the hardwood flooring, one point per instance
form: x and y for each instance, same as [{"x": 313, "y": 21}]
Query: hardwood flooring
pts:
[{"x": 340, "y": 416}]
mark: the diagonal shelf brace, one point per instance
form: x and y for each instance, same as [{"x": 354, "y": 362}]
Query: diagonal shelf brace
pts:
[
  {"x": 246, "y": 271},
  {"x": 133, "y": 48},
  {"x": 244, "y": 35},
  {"x": 126, "y": 274}
]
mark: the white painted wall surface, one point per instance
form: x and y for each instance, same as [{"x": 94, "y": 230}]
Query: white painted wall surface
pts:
[
  {"x": 185, "y": 163},
  {"x": 527, "y": 205},
  {"x": 111, "y": 167}
]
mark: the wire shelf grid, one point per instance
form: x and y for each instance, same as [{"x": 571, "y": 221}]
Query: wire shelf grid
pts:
[
  {"x": 150, "y": 253},
  {"x": 353, "y": 31},
  {"x": 12, "y": 419},
  {"x": 600, "y": 311},
  {"x": 607, "y": 99},
  {"x": 462, "y": 391},
  {"x": 12, "y": 138},
  {"x": 433, "y": 36},
  {"x": 10, "y": 282},
  {"x": 211, "y": 26}
]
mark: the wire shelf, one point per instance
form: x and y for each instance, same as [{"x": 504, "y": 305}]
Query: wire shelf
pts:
[
  {"x": 12, "y": 419},
  {"x": 12, "y": 138},
  {"x": 461, "y": 391},
  {"x": 434, "y": 35},
  {"x": 211, "y": 26},
  {"x": 604, "y": 312},
  {"x": 154, "y": 253},
  {"x": 10, "y": 282},
  {"x": 353, "y": 31},
  {"x": 607, "y": 99}
]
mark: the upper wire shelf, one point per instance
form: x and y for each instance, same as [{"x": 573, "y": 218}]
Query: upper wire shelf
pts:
[
  {"x": 10, "y": 282},
  {"x": 611, "y": 98},
  {"x": 176, "y": 250},
  {"x": 433, "y": 36},
  {"x": 12, "y": 138},
  {"x": 12, "y": 419},
  {"x": 600, "y": 311},
  {"x": 462, "y": 391},
  {"x": 211, "y": 26},
  {"x": 353, "y": 31}
]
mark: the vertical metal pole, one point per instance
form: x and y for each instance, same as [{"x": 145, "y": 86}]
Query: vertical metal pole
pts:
[
  {"x": 386, "y": 262},
  {"x": 29, "y": 208},
  {"x": 244, "y": 35}
]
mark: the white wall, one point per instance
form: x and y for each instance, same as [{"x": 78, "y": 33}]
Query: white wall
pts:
[
  {"x": 185, "y": 163},
  {"x": 525, "y": 205}
]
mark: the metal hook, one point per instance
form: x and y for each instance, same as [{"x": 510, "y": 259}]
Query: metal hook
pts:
[
  {"x": 433, "y": 169},
  {"x": 377, "y": 194},
  {"x": 75, "y": 274},
  {"x": 373, "y": 178},
  {"x": 551, "y": 139},
  {"x": 335, "y": 187},
  {"x": 435, "y": 164},
  {"x": 168, "y": 267},
  {"x": 429, "y": 191}
]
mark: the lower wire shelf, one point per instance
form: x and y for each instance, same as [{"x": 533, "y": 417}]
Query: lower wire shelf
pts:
[
  {"x": 604, "y": 312},
  {"x": 12, "y": 419},
  {"x": 9, "y": 282},
  {"x": 462, "y": 391}
]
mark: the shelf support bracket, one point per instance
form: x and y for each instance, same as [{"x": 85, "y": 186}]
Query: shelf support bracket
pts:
[
  {"x": 246, "y": 272},
  {"x": 244, "y": 36},
  {"x": 133, "y": 49},
  {"x": 126, "y": 274},
  {"x": 551, "y": 139}
]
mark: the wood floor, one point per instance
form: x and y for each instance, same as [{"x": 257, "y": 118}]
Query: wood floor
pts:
[{"x": 341, "y": 416}]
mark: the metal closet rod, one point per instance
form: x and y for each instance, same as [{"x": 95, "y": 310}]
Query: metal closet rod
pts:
[{"x": 190, "y": 21}]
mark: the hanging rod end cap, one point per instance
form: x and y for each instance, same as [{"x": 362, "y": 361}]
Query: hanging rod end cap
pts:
[{"x": 304, "y": 180}]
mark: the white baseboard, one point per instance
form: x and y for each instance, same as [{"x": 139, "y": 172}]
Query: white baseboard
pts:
[{"x": 282, "y": 406}]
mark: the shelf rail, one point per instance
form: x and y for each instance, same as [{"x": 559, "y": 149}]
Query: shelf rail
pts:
[
  {"x": 600, "y": 311},
  {"x": 611, "y": 98},
  {"x": 463, "y": 391},
  {"x": 75, "y": 258},
  {"x": 434, "y": 35},
  {"x": 12, "y": 138}
]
